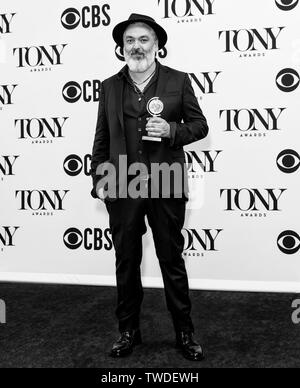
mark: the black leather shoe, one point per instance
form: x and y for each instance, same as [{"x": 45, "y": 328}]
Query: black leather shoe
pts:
[
  {"x": 190, "y": 349},
  {"x": 125, "y": 344}
]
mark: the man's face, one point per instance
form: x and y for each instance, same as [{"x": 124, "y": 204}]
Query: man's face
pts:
[{"x": 140, "y": 46}]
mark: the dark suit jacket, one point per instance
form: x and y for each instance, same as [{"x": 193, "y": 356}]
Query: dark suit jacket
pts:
[{"x": 181, "y": 111}]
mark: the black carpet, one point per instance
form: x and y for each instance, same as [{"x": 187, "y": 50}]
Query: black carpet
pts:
[{"x": 74, "y": 326}]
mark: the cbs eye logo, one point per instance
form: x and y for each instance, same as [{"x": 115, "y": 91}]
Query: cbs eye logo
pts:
[
  {"x": 70, "y": 18},
  {"x": 119, "y": 51},
  {"x": 288, "y": 80},
  {"x": 73, "y": 238},
  {"x": 288, "y": 161},
  {"x": 72, "y": 92},
  {"x": 289, "y": 242},
  {"x": 286, "y": 5},
  {"x": 74, "y": 165}
]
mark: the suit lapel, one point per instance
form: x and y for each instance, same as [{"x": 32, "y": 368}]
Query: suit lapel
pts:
[
  {"x": 163, "y": 78},
  {"x": 119, "y": 90}
]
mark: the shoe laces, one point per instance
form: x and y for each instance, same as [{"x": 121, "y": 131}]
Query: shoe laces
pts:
[
  {"x": 125, "y": 336},
  {"x": 187, "y": 337}
]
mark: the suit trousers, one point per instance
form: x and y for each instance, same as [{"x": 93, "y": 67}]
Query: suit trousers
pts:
[{"x": 127, "y": 223}]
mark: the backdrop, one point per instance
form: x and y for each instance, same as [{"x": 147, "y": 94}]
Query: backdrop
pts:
[{"x": 242, "y": 226}]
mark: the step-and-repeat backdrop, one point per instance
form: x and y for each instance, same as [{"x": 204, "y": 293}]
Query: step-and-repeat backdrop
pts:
[{"x": 243, "y": 58}]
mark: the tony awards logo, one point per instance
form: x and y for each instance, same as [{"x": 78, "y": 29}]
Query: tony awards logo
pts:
[{"x": 154, "y": 107}]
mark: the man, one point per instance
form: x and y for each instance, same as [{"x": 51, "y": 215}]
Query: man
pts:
[{"x": 124, "y": 118}]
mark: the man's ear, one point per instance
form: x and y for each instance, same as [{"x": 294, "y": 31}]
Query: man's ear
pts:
[{"x": 156, "y": 49}]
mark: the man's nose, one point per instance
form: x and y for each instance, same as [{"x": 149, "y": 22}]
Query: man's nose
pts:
[{"x": 136, "y": 44}]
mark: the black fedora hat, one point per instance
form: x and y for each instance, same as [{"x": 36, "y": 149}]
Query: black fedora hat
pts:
[{"x": 120, "y": 28}]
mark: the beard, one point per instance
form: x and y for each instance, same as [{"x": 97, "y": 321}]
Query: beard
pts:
[{"x": 139, "y": 61}]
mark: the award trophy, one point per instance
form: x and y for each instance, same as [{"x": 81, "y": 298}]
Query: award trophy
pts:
[{"x": 155, "y": 107}]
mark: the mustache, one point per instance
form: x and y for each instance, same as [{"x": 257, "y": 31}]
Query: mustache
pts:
[{"x": 137, "y": 52}]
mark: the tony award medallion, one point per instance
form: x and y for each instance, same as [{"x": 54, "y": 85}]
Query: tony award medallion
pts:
[{"x": 154, "y": 107}]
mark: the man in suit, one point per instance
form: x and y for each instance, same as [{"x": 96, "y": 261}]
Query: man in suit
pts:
[{"x": 127, "y": 135}]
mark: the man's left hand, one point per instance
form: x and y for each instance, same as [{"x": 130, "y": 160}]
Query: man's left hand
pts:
[{"x": 158, "y": 127}]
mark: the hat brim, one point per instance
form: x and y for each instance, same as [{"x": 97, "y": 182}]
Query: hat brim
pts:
[{"x": 118, "y": 32}]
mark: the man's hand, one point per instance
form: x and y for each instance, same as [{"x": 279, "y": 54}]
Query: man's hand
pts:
[
  {"x": 100, "y": 194},
  {"x": 158, "y": 127}
]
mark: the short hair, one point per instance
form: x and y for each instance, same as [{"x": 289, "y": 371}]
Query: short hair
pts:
[{"x": 145, "y": 25}]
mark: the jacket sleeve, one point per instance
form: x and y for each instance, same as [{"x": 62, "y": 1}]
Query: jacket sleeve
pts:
[
  {"x": 194, "y": 126},
  {"x": 100, "y": 153}
]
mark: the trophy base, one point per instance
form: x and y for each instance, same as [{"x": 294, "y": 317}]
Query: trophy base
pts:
[{"x": 149, "y": 138}]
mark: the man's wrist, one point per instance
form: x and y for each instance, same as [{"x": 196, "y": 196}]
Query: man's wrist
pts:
[{"x": 169, "y": 131}]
